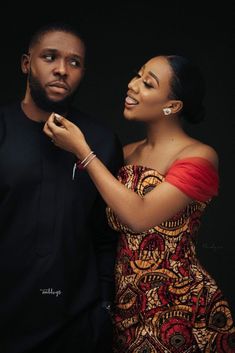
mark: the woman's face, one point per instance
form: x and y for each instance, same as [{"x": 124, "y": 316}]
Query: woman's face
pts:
[{"x": 148, "y": 92}]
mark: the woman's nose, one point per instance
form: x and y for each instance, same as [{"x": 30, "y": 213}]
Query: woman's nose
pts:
[{"x": 133, "y": 85}]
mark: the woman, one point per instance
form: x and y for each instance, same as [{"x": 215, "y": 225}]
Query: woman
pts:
[{"x": 165, "y": 300}]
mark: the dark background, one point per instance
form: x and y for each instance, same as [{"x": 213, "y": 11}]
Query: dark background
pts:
[{"x": 121, "y": 36}]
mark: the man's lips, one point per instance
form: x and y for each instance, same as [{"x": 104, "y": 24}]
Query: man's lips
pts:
[{"x": 60, "y": 85}]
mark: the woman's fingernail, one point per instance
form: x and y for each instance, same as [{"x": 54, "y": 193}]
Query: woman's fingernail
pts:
[{"x": 57, "y": 116}]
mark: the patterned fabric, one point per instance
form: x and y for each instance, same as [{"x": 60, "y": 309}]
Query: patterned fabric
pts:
[{"x": 165, "y": 301}]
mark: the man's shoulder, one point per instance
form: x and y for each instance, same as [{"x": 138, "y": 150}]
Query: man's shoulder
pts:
[
  {"x": 9, "y": 108},
  {"x": 3, "y": 109}
]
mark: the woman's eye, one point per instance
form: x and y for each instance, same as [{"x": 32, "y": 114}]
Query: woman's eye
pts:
[{"x": 148, "y": 85}]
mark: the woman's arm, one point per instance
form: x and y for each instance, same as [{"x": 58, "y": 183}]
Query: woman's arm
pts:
[{"x": 138, "y": 213}]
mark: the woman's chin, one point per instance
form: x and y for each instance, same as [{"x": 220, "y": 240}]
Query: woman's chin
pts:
[{"x": 127, "y": 115}]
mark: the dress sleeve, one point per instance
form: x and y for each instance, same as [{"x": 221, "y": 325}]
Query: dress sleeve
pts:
[{"x": 195, "y": 176}]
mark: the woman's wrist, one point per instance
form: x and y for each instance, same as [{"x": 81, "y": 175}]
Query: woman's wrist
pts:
[
  {"x": 82, "y": 164},
  {"x": 84, "y": 155},
  {"x": 82, "y": 151}
]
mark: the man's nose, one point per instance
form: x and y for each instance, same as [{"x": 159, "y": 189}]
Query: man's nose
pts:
[{"x": 61, "y": 68}]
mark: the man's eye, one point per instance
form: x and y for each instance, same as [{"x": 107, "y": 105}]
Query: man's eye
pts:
[
  {"x": 74, "y": 62},
  {"x": 48, "y": 57}
]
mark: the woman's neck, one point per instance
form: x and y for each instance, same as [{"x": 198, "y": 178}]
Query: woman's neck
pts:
[{"x": 160, "y": 133}]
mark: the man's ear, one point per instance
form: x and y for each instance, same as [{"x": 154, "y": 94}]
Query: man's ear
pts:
[{"x": 25, "y": 63}]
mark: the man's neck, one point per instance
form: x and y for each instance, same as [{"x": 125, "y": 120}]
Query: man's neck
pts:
[{"x": 33, "y": 112}]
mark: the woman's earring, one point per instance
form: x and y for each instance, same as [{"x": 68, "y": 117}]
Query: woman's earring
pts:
[{"x": 167, "y": 111}]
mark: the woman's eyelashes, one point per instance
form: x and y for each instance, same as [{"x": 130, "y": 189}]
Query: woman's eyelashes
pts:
[{"x": 146, "y": 83}]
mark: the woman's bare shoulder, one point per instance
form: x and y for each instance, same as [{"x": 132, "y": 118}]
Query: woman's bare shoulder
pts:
[{"x": 200, "y": 149}]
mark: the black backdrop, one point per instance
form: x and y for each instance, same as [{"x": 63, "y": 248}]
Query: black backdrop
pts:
[{"x": 123, "y": 35}]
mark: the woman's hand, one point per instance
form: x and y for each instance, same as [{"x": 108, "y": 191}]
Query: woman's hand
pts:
[{"x": 66, "y": 135}]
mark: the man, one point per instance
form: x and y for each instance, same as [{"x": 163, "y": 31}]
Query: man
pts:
[{"x": 57, "y": 252}]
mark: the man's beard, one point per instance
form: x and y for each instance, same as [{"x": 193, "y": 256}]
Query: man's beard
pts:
[{"x": 43, "y": 102}]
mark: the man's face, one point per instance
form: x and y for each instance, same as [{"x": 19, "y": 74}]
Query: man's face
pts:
[{"x": 55, "y": 67}]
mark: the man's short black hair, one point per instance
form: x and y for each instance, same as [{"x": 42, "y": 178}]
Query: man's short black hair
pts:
[{"x": 51, "y": 27}]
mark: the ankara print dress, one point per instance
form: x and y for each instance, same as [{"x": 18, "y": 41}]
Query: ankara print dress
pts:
[{"x": 165, "y": 300}]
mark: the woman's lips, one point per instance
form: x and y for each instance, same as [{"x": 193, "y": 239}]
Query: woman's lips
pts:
[{"x": 131, "y": 101}]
